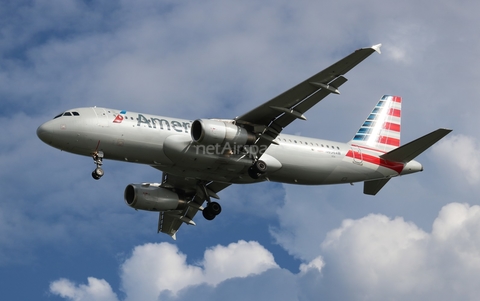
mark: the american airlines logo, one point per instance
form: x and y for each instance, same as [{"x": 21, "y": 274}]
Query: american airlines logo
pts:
[{"x": 119, "y": 117}]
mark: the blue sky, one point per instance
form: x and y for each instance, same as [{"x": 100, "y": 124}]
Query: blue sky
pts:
[{"x": 64, "y": 236}]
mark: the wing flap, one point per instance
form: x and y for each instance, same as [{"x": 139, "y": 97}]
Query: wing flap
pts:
[
  {"x": 170, "y": 221},
  {"x": 168, "y": 224},
  {"x": 263, "y": 114}
]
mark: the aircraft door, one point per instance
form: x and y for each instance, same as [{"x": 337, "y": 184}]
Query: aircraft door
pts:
[
  {"x": 357, "y": 155},
  {"x": 102, "y": 117}
]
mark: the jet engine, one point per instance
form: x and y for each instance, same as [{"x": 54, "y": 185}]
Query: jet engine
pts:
[
  {"x": 213, "y": 132},
  {"x": 152, "y": 197}
]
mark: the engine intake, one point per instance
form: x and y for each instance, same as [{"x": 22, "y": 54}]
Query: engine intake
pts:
[
  {"x": 212, "y": 132},
  {"x": 151, "y": 197}
]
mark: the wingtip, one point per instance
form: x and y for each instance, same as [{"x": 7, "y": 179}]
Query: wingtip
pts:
[{"x": 377, "y": 48}]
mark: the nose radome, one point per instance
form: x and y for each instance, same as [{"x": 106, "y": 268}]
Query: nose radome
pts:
[{"x": 44, "y": 132}]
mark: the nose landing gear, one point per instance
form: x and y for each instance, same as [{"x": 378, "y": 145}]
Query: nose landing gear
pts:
[{"x": 98, "y": 160}]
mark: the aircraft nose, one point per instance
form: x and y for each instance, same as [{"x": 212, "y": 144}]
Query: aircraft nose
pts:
[{"x": 44, "y": 132}]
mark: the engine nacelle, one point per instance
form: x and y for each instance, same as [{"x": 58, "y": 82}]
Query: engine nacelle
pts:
[
  {"x": 151, "y": 197},
  {"x": 213, "y": 132}
]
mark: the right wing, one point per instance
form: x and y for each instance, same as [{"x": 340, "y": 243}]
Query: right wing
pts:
[{"x": 270, "y": 118}]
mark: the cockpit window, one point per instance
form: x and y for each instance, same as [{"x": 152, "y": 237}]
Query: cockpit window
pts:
[{"x": 67, "y": 114}]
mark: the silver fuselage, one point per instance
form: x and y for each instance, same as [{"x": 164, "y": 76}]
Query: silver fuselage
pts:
[{"x": 166, "y": 144}]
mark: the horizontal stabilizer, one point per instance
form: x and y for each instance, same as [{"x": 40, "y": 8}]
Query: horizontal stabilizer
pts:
[
  {"x": 409, "y": 151},
  {"x": 372, "y": 187}
]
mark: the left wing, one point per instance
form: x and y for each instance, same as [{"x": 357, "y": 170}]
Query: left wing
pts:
[
  {"x": 270, "y": 118},
  {"x": 196, "y": 192}
]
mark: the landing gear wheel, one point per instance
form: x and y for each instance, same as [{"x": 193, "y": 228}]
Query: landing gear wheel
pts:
[
  {"x": 260, "y": 166},
  {"x": 253, "y": 173},
  {"x": 257, "y": 169},
  {"x": 97, "y": 173},
  {"x": 208, "y": 214},
  {"x": 213, "y": 209},
  {"x": 94, "y": 175}
]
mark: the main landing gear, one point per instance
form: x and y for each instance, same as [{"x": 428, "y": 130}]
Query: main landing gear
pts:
[
  {"x": 97, "y": 173},
  {"x": 258, "y": 168},
  {"x": 213, "y": 209}
]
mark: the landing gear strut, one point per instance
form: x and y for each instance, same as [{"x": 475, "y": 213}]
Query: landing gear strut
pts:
[
  {"x": 257, "y": 169},
  {"x": 213, "y": 208},
  {"x": 98, "y": 160}
]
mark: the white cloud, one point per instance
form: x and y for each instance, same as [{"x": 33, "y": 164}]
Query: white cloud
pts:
[
  {"x": 316, "y": 264},
  {"x": 371, "y": 258},
  {"x": 95, "y": 290},
  {"x": 461, "y": 155},
  {"x": 377, "y": 255},
  {"x": 304, "y": 219},
  {"x": 160, "y": 271},
  {"x": 380, "y": 258},
  {"x": 236, "y": 260},
  {"x": 156, "y": 268}
]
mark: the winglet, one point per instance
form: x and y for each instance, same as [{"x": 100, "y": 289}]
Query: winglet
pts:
[{"x": 377, "y": 48}]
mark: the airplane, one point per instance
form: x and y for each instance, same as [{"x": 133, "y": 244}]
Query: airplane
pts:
[{"x": 202, "y": 157}]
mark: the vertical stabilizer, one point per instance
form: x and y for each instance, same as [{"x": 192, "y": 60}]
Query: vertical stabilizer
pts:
[{"x": 381, "y": 129}]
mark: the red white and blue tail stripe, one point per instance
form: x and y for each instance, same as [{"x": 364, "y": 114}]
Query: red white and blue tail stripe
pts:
[{"x": 381, "y": 129}]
